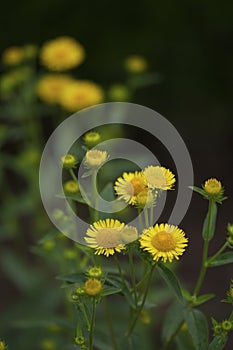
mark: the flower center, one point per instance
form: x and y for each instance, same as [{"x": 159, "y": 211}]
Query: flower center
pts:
[
  {"x": 108, "y": 238},
  {"x": 163, "y": 241},
  {"x": 136, "y": 186}
]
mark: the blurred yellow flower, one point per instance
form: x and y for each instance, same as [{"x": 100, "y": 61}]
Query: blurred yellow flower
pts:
[
  {"x": 62, "y": 53},
  {"x": 71, "y": 186},
  {"x": 81, "y": 94},
  {"x": 13, "y": 55},
  {"x": 51, "y": 87},
  {"x": 136, "y": 64},
  {"x": 164, "y": 242},
  {"x": 91, "y": 138}
]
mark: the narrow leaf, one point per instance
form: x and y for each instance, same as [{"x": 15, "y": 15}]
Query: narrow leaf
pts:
[
  {"x": 210, "y": 222},
  {"x": 222, "y": 259},
  {"x": 198, "y": 328},
  {"x": 219, "y": 342},
  {"x": 173, "y": 318},
  {"x": 203, "y": 299},
  {"x": 171, "y": 279}
]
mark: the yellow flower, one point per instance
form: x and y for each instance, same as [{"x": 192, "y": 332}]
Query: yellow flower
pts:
[
  {"x": 136, "y": 64},
  {"x": 145, "y": 199},
  {"x": 213, "y": 186},
  {"x": 13, "y": 55},
  {"x": 130, "y": 185},
  {"x": 2, "y": 345},
  {"x": 158, "y": 177},
  {"x": 104, "y": 236},
  {"x": 164, "y": 242},
  {"x": 81, "y": 94},
  {"x": 93, "y": 286},
  {"x": 91, "y": 138},
  {"x": 62, "y": 53},
  {"x": 48, "y": 344},
  {"x": 71, "y": 187},
  {"x": 95, "y": 158},
  {"x": 128, "y": 234},
  {"x": 51, "y": 87},
  {"x": 69, "y": 161}
]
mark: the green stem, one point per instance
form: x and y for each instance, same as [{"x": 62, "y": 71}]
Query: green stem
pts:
[
  {"x": 140, "y": 219},
  {"x": 83, "y": 193},
  {"x": 94, "y": 196},
  {"x": 224, "y": 246},
  {"x": 146, "y": 217},
  {"x": 152, "y": 216},
  {"x": 92, "y": 324},
  {"x": 133, "y": 276},
  {"x": 203, "y": 268},
  {"x": 172, "y": 337},
  {"x": 82, "y": 309},
  {"x": 131, "y": 328},
  {"x": 110, "y": 324},
  {"x": 120, "y": 271}
]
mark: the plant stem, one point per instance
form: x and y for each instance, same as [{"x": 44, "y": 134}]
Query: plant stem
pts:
[
  {"x": 146, "y": 217},
  {"x": 82, "y": 308},
  {"x": 166, "y": 346},
  {"x": 139, "y": 309},
  {"x": 152, "y": 216},
  {"x": 83, "y": 193},
  {"x": 92, "y": 324},
  {"x": 110, "y": 324},
  {"x": 120, "y": 271},
  {"x": 203, "y": 268},
  {"x": 217, "y": 254},
  {"x": 140, "y": 219},
  {"x": 133, "y": 276},
  {"x": 94, "y": 198}
]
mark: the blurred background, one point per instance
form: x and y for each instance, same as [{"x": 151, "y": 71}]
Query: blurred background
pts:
[{"x": 188, "y": 47}]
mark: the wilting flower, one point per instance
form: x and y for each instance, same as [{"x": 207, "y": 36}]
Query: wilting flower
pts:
[
  {"x": 62, "y": 53},
  {"x": 13, "y": 55},
  {"x": 160, "y": 178},
  {"x": 164, "y": 242},
  {"x": 93, "y": 286},
  {"x": 81, "y": 94},
  {"x": 51, "y": 87},
  {"x": 130, "y": 185}
]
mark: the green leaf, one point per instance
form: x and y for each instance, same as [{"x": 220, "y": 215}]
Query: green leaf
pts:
[
  {"x": 110, "y": 290},
  {"x": 219, "y": 342},
  {"x": 198, "y": 190},
  {"x": 172, "y": 281},
  {"x": 87, "y": 173},
  {"x": 75, "y": 197},
  {"x": 52, "y": 234},
  {"x": 222, "y": 259},
  {"x": 198, "y": 328},
  {"x": 203, "y": 299},
  {"x": 210, "y": 222},
  {"x": 174, "y": 316},
  {"x": 77, "y": 277}
]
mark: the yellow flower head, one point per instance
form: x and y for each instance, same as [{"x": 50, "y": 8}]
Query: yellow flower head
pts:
[
  {"x": 128, "y": 234},
  {"x": 2, "y": 345},
  {"x": 91, "y": 138},
  {"x": 69, "y": 161},
  {"x": 13, "y": 56},
  {"x": 62, "y": 54},
  {"x": 130, "y": 185},
  {"x": 71, "y": 187},
  {"x": 160, "y": 178},
  {"x": 93, "y": 286},
  {"x": 81, "y": 94},
  {"x": 213, "y": 186},
  {"x": 51, "y": 86},
  {"x": 95, "y": 158},
  {"x": 48, "y": 344},
  {"x": 164, "y": 242},
  {"x": 136, "y": 64},
  {"x": 145, "y": 199},
  {"x": 105, "y": 236}
]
